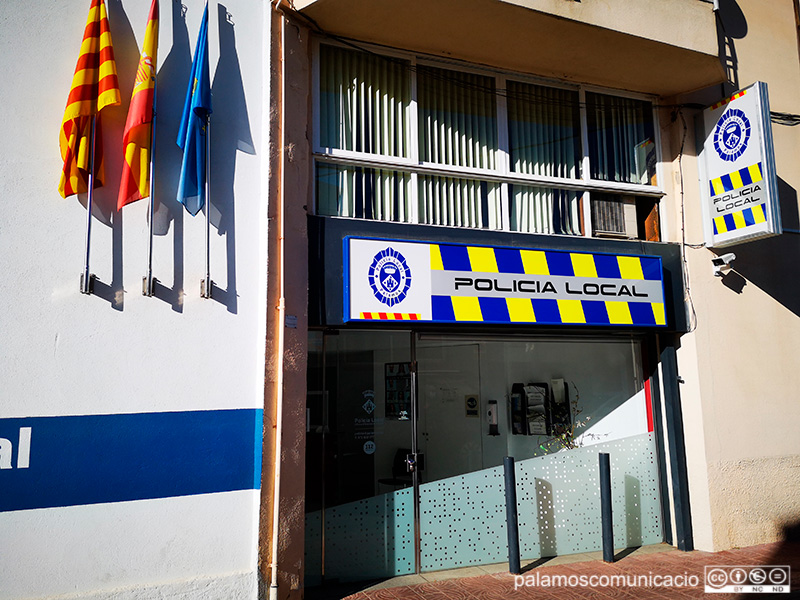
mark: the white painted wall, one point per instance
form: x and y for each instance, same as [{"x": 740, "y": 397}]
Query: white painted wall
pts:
[{"x": 64, "y": 353}]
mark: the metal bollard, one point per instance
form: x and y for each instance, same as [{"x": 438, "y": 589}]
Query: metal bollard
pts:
[
  {"x": 512, "y": 526},
  {"x": 605, "y": 508}
]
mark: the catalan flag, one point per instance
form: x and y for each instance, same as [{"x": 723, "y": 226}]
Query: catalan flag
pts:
[
  {"x": 137, "y": 137},
  {"x": 194, "y": 123},
  {"x": 94, "y": 86}
]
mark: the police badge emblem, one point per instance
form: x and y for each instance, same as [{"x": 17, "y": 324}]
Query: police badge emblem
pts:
[
  {"x": 732, "y": 134},
  {"x": 389, "y": 277}
]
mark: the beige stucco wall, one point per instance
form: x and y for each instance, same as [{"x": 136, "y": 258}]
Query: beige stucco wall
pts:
[
  {"x": 741, "y": 363},
  {"x": 756, "y": 499},
  {"x": 659, "y": 47}
]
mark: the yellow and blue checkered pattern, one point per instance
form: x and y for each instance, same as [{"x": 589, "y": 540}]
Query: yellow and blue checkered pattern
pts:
[
  {"x": 550, "y": 311},
  {"x": 734, "y": 181},
  {"x": 740, "y": 219}
]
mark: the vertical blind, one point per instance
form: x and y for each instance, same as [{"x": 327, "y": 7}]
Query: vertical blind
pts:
[
  {"x": 364, "y": 106},
  {"x": 544, "y": 139},
  {"x": 457, "y": 116},
  {"x": 621, "y": 134},
  {"x": 363, "y": 102},
  {"x": 459, "y": 202},
  {"x": 544, "y": 210},
  {"x": 377, "y": 194}
]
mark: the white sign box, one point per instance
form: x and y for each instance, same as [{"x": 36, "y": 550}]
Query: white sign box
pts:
[{"x": 738, "y": 184}]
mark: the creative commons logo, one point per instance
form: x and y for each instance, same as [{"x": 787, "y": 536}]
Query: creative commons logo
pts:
[{"x": 389, "y": 277}]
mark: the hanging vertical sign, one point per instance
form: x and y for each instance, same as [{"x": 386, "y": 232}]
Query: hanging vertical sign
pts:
[{"x": 739, "y": 188}]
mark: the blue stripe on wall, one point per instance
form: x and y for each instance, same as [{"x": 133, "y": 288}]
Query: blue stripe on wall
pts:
[{"x": 92, "y": 459}]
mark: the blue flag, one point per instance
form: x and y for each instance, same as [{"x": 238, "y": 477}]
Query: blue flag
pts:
[{"x": 194, "y": 123}]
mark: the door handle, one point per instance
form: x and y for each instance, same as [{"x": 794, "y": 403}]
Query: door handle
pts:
[{"x": 411, "y": 463}]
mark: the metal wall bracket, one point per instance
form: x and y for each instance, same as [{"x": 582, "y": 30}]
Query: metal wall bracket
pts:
[
  {"x": 148, "y": 286},
  {"x": 205, "y": 287},
  {"x": 87, "y": 284}
]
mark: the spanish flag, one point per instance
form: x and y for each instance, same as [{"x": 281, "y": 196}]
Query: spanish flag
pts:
[
  {"x": 137, "y": 138},
  {"x": 94, "y": 86}
]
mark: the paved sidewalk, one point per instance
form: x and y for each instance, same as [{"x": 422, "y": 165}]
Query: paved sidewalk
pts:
[{"x": 493, "y": 582}]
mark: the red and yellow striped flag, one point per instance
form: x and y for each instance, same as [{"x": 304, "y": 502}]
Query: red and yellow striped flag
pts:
[
  {"x": 136, "y": 141},
  {"x": 94, "y": 86}
]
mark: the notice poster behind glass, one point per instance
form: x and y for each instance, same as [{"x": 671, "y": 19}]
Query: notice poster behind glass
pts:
[{"x": 398, "y": 391}]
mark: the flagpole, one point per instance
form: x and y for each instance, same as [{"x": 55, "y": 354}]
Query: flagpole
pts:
[
  {"x": 86, "y": 278},
  {"x": 149, "y": 281},
  {"x": 205, "y": 285}
]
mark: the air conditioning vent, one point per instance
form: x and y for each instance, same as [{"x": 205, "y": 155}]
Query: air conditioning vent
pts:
[{"x": 614, "y": 216}]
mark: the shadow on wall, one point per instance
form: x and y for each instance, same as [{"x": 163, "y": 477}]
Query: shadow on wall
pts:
[
  {"x": 171, "y": 90},
  {"x": 230, "y": 133},
  {"x": 731, "y": 25},
  {"x": 771, "y": 264}
]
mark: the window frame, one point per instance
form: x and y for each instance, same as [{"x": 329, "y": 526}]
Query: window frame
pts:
[{"x": 502, "y": 174}]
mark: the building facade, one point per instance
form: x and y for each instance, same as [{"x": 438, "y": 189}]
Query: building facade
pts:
[{"x": 438, "y": 237}]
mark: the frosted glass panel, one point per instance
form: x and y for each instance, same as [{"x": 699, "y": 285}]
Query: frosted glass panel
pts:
[
  {"x": 368, "y": 539},
  {"x": 462, "y": 521},
  {"x": 558, "y": 497}
]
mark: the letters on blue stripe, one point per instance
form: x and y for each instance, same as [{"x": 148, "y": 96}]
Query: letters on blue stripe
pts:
[
  {"x": 454, "y": 258},
  {"x": 494, "y": 310},
  {"x": 509, "y": 260},
  {"x": 560, "y": 263},
  {"x": 75, "y": 460},
  {"x": 442, "y": 308}
]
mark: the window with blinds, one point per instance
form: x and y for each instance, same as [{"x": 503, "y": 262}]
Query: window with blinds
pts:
[{"x": 404, "y": 139}]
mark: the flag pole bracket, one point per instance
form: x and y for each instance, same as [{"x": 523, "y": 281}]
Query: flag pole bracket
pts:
[
  {"x": 205, "y": 287},
  {"x": 149, "y": 286},
  {"x": 87, "y": 283}
]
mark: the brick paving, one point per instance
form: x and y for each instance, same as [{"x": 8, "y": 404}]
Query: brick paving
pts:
[{"x": 663, "y": 560}]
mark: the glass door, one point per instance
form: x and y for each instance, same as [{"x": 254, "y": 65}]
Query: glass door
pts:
[
  {"x": 359, "y": 495},
  {"x": 458, "y": 495}
]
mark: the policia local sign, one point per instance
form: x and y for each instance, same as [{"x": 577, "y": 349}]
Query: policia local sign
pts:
[
  {"x": 737, "y": 170},
  {"x": 390, "y": 280}
]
